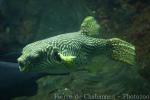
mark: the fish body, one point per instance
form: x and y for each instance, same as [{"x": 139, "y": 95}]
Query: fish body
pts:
[{"x": 72, "y": 51}]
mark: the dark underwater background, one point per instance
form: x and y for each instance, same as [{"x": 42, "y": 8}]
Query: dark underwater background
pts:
[{"x": 25, "y": 21}]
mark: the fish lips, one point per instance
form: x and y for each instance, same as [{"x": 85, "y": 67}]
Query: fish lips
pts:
[{"x": 23, "y": 69}]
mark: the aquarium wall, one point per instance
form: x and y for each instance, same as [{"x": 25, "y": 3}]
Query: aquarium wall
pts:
[{"x": 25, "y": 21}]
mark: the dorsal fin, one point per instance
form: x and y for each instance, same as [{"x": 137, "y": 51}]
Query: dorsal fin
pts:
[{"x": 90, "y": 27}]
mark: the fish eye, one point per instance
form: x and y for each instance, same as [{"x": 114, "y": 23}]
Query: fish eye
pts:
[{"x": 56, "y": 56}]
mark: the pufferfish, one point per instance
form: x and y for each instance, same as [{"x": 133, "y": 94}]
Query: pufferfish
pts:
[{"x": 72, "y": 51}]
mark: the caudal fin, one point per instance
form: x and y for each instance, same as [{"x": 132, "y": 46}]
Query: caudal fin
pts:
[{"x": 121, "y": 50}]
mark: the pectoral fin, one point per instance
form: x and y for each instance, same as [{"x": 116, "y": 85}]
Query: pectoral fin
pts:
[{"x": 68, "y": 60}]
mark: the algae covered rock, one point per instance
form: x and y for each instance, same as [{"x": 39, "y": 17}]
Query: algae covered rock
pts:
[{"x": 111, "y": 82}]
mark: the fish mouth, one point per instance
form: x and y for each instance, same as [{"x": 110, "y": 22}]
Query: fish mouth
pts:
[
  {"x": 22, "y": 65},
  {"x": 23, "y": 69}
]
